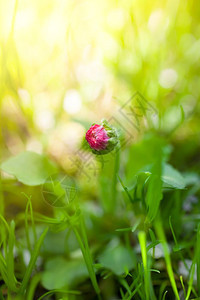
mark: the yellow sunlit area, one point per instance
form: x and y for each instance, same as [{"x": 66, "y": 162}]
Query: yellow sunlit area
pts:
[{"x": 99, "y": 149}]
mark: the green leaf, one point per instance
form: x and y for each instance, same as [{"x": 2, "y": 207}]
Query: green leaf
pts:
[
  {"x": 118, "y": 259},
  {"x": 29, "y": 168},
  {"x": 60, "y": 273},
  {"x": 172, "y": 177}
]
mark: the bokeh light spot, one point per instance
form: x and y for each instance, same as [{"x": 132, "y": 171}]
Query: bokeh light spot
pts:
[
  {"x": 72, "y": 102},
  {"x": 168, "y": 78}
]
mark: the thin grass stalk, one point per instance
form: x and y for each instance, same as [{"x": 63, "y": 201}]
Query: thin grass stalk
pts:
[
  {"x": 176, "y": 243},
  {"x": 142, "y": 241},
  {"x": 32, "y": 262},
  {"x": 87, "y": 258},
  {"x": 10, "y": 259},
  {"x": 32, "y": 287},
  {"x": 198, "y": 259},
  {"x": 27, "y": 228},
  {"x": 161, "y": 235}
]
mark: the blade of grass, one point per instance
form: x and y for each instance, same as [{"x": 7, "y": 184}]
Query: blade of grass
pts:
[
  {"x": 44, "y": 219},
  {"x": 132, "y": 229},
  {"x": 198, "y": 258},
  {"x": 83, "y": 242},
  {"x": 125, "y": 285},
  {"x": 161, "y": 235},
  {"x": 59, "y": 291},
  {"x": 27, "y": 228},
  {"x": 142, "y": 241},
  {"x": 125, "y": 189},
  {"x": 87, "y": 261},
  {"x": 88, "y": 253},
  {"x": 163, "y": 286},
  {"x": 122, "y": 294},
  {"x": 3, "y": 269},
  {"x": 32, "y": 221},
  {"x": 31, "y": 290},
  {"x": 34, "y": 256},
  {"x": 182, "y": 283},
  {"x": 134, "y": 292},
  {"x": 176, "y": 243},
  {"x": 4, "y": 229},
  {"x": 133, "y": 284},
  {"x": 164, "y": 296},
  {"x": 29, "y": 208},
  {"x": 10, "y": 259},
  {"x": 4, "y": 222},
  {"x": 192, "y": 271},
  {"x": 1, "y": 295}
]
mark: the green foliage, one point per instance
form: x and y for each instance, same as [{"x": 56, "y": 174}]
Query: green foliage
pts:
[
  {"x": 117, "y": 259},
  {"x": 60, "y": 273},
  {"x": 29, "y": 168},
  {"x": 132, "y": 229},
  {"x": 172, "y": 178},
  {"x": 153, "y": 192}
]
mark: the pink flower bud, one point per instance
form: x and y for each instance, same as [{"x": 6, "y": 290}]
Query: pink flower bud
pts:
[
  {"x": 102, "y": 138},
  {"x": 97, "y": 137}
]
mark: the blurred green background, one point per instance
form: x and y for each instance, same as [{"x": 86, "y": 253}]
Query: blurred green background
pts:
[
  {"x": 67, "y": 64},
  {"x": 63, "y": 61}
]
